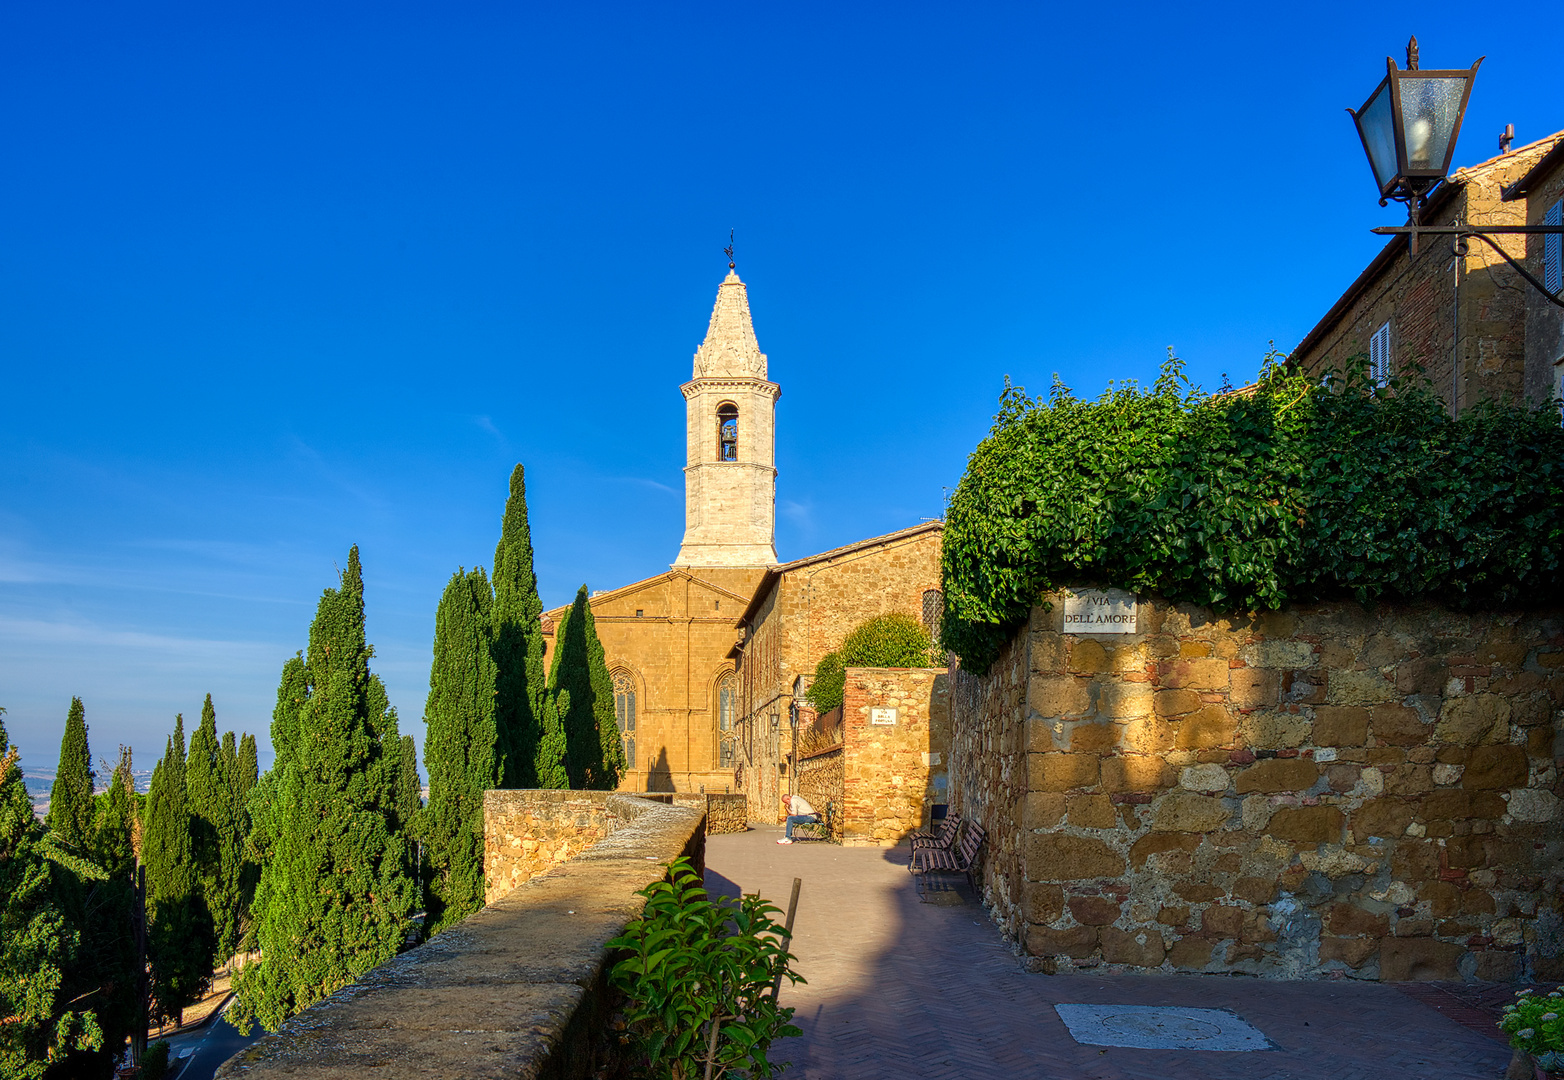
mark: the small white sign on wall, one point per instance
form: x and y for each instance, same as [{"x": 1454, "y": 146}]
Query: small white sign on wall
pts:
[
  {"x": 1099, "y": 611},
  {"x": 882, "y": 716}
]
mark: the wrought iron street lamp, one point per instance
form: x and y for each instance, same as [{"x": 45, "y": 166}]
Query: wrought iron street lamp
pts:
[{"x": 1409, "y": 125}]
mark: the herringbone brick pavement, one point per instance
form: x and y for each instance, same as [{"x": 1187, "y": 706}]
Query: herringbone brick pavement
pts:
[{"x": 901, "y": 988}]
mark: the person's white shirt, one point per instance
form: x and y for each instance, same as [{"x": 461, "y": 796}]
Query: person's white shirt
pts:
[{"x": 798, "y": 806}]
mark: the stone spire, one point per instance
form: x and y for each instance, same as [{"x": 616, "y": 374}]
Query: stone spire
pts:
[{"x": 730, "y": 348}]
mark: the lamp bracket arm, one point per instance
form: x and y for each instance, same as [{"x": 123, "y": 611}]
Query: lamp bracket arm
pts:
[{"x": 1483, "y": 232}]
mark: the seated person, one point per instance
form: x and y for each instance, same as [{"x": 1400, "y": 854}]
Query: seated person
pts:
[{"x": 799, "y": 812}]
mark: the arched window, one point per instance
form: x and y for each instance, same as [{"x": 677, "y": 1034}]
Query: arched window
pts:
[
  {"x": 624, "y": 712},
  {"x": 727, "y": 432},
  {"x": 727, "y": 705}
]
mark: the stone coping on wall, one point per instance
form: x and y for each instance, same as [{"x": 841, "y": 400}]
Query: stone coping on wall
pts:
[{"x": 516, "y": 990}]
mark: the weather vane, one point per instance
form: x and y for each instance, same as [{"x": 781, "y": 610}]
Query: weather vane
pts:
[{"x": 728, "y": 251}]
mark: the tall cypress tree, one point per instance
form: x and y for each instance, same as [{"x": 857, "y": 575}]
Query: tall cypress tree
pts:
[
  {"x": 461, "y": 748},
  {"x": 180, "y": 936},
  {"x": 36, "y": 941},
  {"x": 70, "y": 800},
  {"x": 530, "y": 759},
  {"x": 217, "y": 829},
  {"x": 242, "y": 779},
  {"x": 334, "y": 896},
  {"x": 583, "y": 697},
  {"x": 100, "y": 907},
  {"x": 611, "y": 760}
]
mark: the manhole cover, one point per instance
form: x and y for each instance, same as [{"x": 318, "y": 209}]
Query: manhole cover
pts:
[{"x": 1157, "y": 1027}]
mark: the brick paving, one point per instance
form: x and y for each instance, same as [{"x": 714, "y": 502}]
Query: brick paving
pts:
[{"x": 899, "y": 987}]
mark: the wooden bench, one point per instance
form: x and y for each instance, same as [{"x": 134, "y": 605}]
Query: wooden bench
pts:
[
  {"x": 943, "y": 837},
  {"x": 960, "y": 859},
  {"x": 818, "y": 830}
]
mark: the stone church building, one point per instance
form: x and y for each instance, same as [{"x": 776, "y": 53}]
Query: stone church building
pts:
[{"x": 708, "y": 656}]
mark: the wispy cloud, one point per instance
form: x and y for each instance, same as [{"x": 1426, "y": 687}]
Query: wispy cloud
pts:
[
  {"x": 483, "y": 423},
  {"x": 798, "y": 513},
  {"x": 641, "y": 481}
]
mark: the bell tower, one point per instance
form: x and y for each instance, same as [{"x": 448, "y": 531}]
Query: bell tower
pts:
[{"x": 730, "y": 476}]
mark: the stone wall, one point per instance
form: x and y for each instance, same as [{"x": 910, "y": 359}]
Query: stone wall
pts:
[
  {"x": 820, "y": 783},
  {"x": 518, "y": 989},
  {"x": 527, "y": 833},
  {"x": 1322, "y": 791},
  {"x": 725, "y": 813},
  {"x": 893, "y": 770}
]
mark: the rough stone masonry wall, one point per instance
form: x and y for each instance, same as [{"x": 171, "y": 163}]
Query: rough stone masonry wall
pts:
[
  {"x": 518, "y": 989},
  {"x": 820, "y": 783},
  {"x": 1326, "y": 790},
  {"x": 726, "y": 812},
  {"x": 527, "y": 833},
  {"x": 530, "y": 832},
  {"x": 892, "y": 773}
]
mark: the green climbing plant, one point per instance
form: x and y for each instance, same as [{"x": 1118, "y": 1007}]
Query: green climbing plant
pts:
[
  {"x": 699, "y": 982},
  {"x": 1294, "y": 489}
]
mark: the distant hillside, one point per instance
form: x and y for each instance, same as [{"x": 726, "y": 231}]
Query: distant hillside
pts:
[{"x": 39, "y": 782}]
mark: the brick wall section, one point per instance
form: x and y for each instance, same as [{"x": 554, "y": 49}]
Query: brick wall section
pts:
[
  {"x": 892, "y": 772},
  {"x": 1418, "y": 298},
  {"x": 517, "y": 989},
  {"x": 1321, "y": 791}
]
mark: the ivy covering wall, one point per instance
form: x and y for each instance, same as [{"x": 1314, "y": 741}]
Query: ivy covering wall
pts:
[{"x": 1295, "y": 490}]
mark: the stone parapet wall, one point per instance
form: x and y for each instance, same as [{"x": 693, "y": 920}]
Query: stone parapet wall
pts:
[
  {"x": 725, "y": 812},
  {"x": 527, "y": 833},
  {"x": 518, "y": 989},
  {"x": 819, "y": 781},
  {"x": 1325, "y": 790},
  {"x": 892, "y": 771}
]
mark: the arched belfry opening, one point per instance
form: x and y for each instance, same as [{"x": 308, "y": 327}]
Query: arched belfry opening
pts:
[{"x": 727, "y": 432}]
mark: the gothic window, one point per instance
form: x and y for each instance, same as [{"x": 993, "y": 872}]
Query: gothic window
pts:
[
  {"x": 727, "y": 701},
  {"x": 727, "y": 432},
  {"x": 624, "y": 712}
]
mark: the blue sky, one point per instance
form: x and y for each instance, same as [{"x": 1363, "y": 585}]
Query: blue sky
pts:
[{"x": 277, "y": 279}]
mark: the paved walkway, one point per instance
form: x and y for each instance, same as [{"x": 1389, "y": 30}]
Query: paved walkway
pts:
[{"x": 901, "y": 988}]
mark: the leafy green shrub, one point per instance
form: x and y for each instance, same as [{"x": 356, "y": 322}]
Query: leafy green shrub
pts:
[
  {"x": 698, "y": 981},
  {"x": 893, "y": 640},
  {"x": 1295, "y": 490},
  {"x": 830, "y": 683},
  {"x": 1534, "y": 1026},
  {"x": 154, "y": 1060}
]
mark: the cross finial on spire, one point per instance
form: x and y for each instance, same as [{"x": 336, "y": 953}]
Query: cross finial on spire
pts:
[{"x": 728, "y": 251}]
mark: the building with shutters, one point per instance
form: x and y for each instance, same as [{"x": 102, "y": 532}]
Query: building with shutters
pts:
[
  {"x": 1470, "y": 322},
  {"x": 688, "y": 703}
]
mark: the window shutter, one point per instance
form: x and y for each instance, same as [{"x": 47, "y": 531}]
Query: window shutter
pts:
[
  {"x": 1379, "y": 355},
  {"x": 1553, "y": 250}
]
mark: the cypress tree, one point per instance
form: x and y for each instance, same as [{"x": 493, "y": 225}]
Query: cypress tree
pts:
[
  {"x": 100, "y": 907},
  {"x": 217, "y": 829},
  {"x": 180, "y": 938},
  {"x": 461, "y": 748},
  {"x": 36, "y": 941},
  {"x": 334, "y": 895},
  {"x": 531, "y": 749},
  {"x": 583, "y": 697},
  {"x": 70, "y": 800},
  {"x": 243, "y": 774}
]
